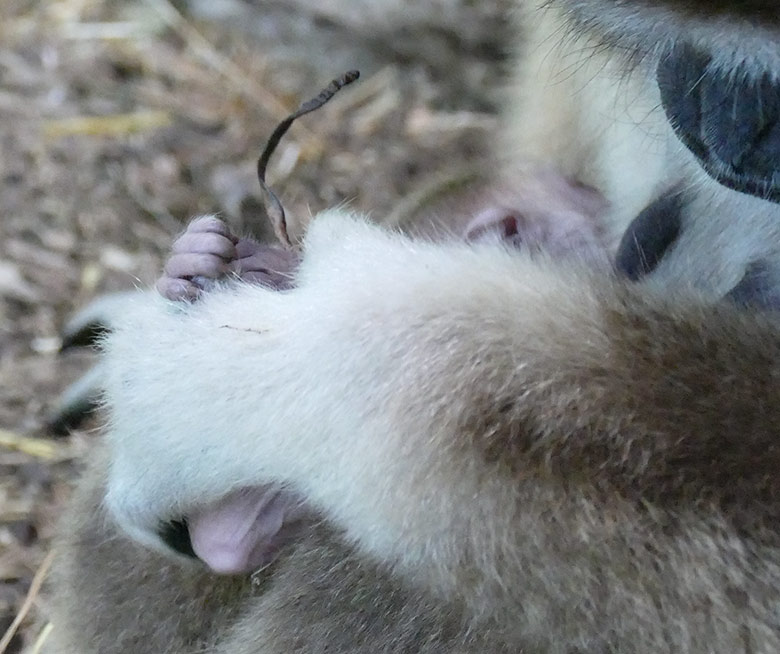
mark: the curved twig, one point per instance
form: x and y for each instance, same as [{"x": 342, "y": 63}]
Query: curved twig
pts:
[{"x": 273, "y": 206}]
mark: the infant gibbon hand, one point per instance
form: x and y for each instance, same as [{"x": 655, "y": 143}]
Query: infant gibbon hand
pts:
[{"x": 208, "y": 250}]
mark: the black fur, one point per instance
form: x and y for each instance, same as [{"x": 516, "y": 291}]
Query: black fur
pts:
[
  {"x": 729, "y": 120},
  {"x": 176, "y": 535},
  {"x": 649, "y": 236}
]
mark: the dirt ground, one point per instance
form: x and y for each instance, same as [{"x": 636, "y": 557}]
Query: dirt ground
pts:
[{"x": 119, "y": 120}]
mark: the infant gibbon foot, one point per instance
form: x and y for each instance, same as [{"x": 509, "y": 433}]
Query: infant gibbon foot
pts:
[
  {"x": 208, "y": 250},
  {"x": 245, "y": 530}
]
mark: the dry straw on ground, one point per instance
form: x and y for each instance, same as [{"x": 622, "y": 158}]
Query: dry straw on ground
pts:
[{"x": 120, "y": 120}]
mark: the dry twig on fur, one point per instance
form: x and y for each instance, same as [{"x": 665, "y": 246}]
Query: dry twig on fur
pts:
[{"x": 273, "y": 206}]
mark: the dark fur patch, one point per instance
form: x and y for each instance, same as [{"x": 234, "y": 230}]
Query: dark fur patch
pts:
[
  {"x": 176, "y": 535},
  {"x": 649, "y": 236},
  {"x": 730, "y": 120}
]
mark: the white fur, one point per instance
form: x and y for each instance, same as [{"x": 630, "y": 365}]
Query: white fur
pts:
[
  {"x": 308, "y": 387},
  {"x": 374, "y": 388},
  {"x": 348, "y": 387},
  {"x": 301, "y": 379}
]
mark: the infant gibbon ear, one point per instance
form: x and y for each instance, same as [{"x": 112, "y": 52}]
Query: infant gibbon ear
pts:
[{"x": 544, "y": 211}]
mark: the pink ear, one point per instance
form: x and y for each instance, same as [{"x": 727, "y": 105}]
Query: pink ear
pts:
[
  {"x": 492, "y": 223},
  {"x": 543, "y": 211}
]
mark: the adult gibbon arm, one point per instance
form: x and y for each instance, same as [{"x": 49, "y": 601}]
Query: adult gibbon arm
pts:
[{"x": 494, "y": 427}]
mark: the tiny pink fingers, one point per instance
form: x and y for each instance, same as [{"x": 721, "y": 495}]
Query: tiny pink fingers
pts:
[
  {"x": 203, "y": 252},
  {"x": 205, "y": 243},
  {"x": 270, "y": 266},
  {"x": 210, "y": 225},
  {"x": 193, "y": 264}
]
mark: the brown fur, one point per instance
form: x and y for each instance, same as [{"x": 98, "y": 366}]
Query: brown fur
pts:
[
  {"x": 585, "y": 466},
  {"x": 626, "y": 500},
  {"x": 319, "y": 596}
]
